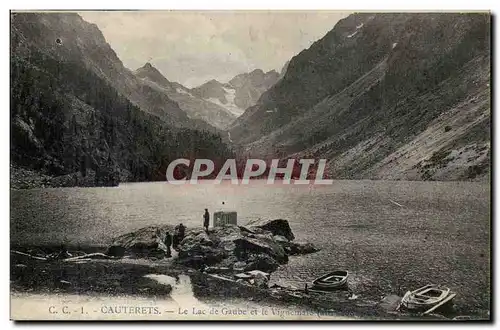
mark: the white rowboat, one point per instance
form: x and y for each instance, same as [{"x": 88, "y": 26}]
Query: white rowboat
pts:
[
  {"x": 426, "y": 298},
  {"x": 331, "y": 280}
]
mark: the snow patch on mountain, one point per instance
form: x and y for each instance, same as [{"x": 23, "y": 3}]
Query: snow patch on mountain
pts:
[
  {"x": 182, "y": 91},
  {"x": 230, "y": 94},
  {"x": 352, "y": 34},
  {"x": 357, "y": 30}
]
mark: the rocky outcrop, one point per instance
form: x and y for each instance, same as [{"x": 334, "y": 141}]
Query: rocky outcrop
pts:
[
  {"x": 255, "y": 277},
  {"x": 245, "y": 255},
  {"x": 199, "y": 250},
  {"x": 228, "y": 249},
  {"x": 252, "y": 244},
  {"x": 261, "y": 245},
  {"x": 275, "y": 227},
  {"x": 146, "y": 242},
  {"x": 296, "y": 248},
  {"x": 250, "y": 86},
  {"x": 261, "y": 262}
]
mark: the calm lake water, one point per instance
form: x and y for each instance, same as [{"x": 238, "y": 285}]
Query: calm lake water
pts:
[{"x": 390, "y": 235}]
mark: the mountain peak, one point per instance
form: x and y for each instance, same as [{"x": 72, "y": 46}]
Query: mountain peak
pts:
[
  {"x": 149, "y": 67},
  {"x": 213, "y": 81},
  {"x": 148, "y": 71},
  {"x": 257, "y": 71}
]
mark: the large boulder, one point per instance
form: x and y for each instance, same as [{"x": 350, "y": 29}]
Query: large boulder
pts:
[
  {"x": 281, "y": 239},
  {"x": 239, "y": 265},
  {"x": 225, "y": 234},
  {"x": 196, "y": 238},
  {"x": 295, "y": 248},
  {"x": 197, "y": 250},
  {"x": 224, "y": 238},
  {"x": 247, "y": 246},
  {"x": 260, "y": 280},
  {"x": 262, "y": 245},
  {"x": 255, "y": 277},
  {"x": 276, "y": 227},
  {"x": 146, "y": 242},
  {"x": 262, "y": 262},
  {"x": 231, "y": 247}
]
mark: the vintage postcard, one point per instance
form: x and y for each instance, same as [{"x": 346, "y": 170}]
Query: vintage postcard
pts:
[{"x": 250, "y": 165}]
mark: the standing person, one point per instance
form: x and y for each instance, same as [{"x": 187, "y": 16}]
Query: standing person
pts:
[
  {"x": 168, "y": 243},
  {"x": 179, "y": 233},
  {"x": 182, "y": 232},
  {"x": 175, "y": 238},
  {"x": 206, "y": 221}
]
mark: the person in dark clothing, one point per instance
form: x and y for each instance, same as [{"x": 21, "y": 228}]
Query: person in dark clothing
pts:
[
  {"x": 175, "y": 237},
  {"x": 179, "y": 234},
  {"x": 206, "y": 221},
  {"x": 182, "y": 232},
  {"x": 168, "y": 243}
]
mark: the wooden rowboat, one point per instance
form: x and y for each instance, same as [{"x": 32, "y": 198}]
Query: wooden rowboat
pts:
[
  {"x": 332, "y": 280},
  {"x": 427, "y": 298}
]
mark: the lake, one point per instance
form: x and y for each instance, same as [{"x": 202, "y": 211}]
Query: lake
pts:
[{"x": 391, "y": 235}]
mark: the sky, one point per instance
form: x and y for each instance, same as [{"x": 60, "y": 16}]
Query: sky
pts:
[{"x": 192, "y": 47}]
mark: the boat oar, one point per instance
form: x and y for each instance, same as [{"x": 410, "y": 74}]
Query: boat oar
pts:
[
  {"x": 90, "y": 255},
  {"x": 28, "y": 255}
]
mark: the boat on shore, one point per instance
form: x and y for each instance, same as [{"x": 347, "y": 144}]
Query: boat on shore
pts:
[
  {"x": 333, "y": 280},
  {"x": 427, "y": 298}
]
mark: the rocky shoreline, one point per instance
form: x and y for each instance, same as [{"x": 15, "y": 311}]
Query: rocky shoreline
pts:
[
  {"x": 259, "y": 247},
  {"x": 229, "y": 262},
  {"x": 22, "y": 178}
]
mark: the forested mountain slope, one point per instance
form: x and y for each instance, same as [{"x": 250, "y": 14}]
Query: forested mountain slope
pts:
[{"x": 75, "y": 108}]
